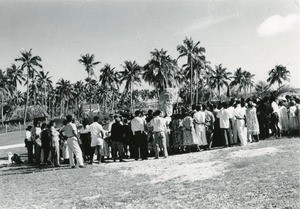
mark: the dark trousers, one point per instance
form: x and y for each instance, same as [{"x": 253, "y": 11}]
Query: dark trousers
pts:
[
  {"x": 46, "y": 154},
  {"x": 140, "y": 145},
  {"x": 93, "y": 149},
  {"x": 226, "y": 136},
  {"x": 117, "y": 147},
  {"x": 29, "y": 145},
  {"x": 37, "y": 153},
  {"x": 264, "y": 126}
]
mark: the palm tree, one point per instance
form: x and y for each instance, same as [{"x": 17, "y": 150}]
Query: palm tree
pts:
[
  {"x": 160, "y": 71},
  {"x": 192, "y": 52},
  {"x": 44, "y": 82},
  {"x": 238, "y": 79},
  {"x": 28, "y": 62},
  {"x": 64, "y": 89},
  {"x": 220, "y": 78},
  {"x": 15, "y": 75},
  {"x": 249, "y": 83},
  {"x": 89, "y": 63},
  {"x": 130, "y": 75},
  {"x": 79, "y": 92},
  {"x": 278, "y": 74},
  {"x": 108, "y": 80},
  {"x": 6, "y": 88}
]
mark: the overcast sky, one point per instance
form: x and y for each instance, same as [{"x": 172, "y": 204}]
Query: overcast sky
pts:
[{"x": 252, "y": 34}]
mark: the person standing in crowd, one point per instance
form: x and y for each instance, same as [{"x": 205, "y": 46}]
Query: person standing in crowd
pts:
[
  {"x": 29, "y": 144},
  {"x": 128, "y": 144},
  {"x": 297, "y": 100},
  {"x": 200, "y": 129},
  {"x": 275, "y": 118},
  {"x": 293, "y": 120},
  {"x": 117, "y": 139},
  {"x": 189, "y": 134},
  {"x": 85, "y": 137},
  {"x": 36, "y": 137},
  {"x": 97, "y": 136},
  {"x": 209, "y": 123},
  {"x": 218, "y": 135},
  {"x": 64, "y": 144},
  {"x": 264, "y": 111},
  {"x": 224, "y": 117},
  {"x": 177, "y": 132},
  {"x": 159, "y": 129},
  {"x": 71, "y": 132},
  {"x": 168, "y": 120},
  {"x": 252, "y": 123},
  {"x": 283, "y": 118},
  {"x": 240, "y": 115},
  {"x": 150, "y": 135},
  {"x": 140, "y": 140},
  {"x": 107, "y": 140},
  {"x": 46, "y": 143},
  {"x": 54, "y": 134},
  {"x": 233, "y": 126}
]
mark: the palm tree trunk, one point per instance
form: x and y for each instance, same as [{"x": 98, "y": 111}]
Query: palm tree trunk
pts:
[
  {"x": 67, "y": 107},
  {"x": 27, "y": 97},
  {"x": 131, "y": 103},
  {"x": 197, "y": 88},
  {"x": 61, "y": 106},
  {"x": 191, "y": 65},
  {"x": 2, "y": 112}
]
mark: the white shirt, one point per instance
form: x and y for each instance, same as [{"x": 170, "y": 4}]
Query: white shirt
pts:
[
  {"x": 275, "y": 107},
  {"x": 96, "y": 130},
  {"x": 199, "y": 117},
  {"x": 159, "y": 124},
  {"x": 28, "y": 135},
  {"x": 239, "y": 112},
  {"x": 137, "y": 124},
  {"x": 70, "y": 129},
  {"x": 224, "y": 116},
  {"x": 231, "y": 111}
]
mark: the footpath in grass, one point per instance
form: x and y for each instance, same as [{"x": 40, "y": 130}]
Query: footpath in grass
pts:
[{"x": 261, "y": 175}]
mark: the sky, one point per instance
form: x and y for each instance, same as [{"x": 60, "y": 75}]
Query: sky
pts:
[{"x": 255, "y": 35}]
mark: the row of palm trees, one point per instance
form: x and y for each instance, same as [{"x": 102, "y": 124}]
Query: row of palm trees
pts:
[{"x": 195, "y": 79}]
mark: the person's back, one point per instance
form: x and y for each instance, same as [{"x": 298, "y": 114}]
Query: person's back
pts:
[
  {"x": 117, "y": 132},
  {"x": 96, "y": 130},
  {"x": 45, "y": 138},
  {"x": 224, "y": 116}
]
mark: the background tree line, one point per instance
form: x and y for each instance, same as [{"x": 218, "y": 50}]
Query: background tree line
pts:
[{"x": 196, "y": 80}]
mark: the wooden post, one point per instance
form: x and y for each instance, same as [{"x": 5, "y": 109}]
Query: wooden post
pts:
[{"x": 6, "y": 128}]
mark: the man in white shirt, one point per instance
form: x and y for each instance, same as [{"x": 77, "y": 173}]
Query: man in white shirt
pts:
[
  {"x": 275, "y": 117},
  {"x": 97, "y": 135},
  {"x": 73, "y": 146},
  {"x": 159, "y": 127},
  {"x": 224, "y": 116},
  {"x": 199, "y": 120},
  {"x": 139, "y": 138},
  {"x": 240, "y": 115}
]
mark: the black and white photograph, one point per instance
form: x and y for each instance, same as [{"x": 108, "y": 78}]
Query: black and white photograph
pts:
[{"x": 138, "y": 104}]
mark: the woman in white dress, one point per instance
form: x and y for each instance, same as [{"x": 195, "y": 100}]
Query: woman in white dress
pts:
[
  {"x": 283, "y": 117},
  {"x": 293, "y": 120}
]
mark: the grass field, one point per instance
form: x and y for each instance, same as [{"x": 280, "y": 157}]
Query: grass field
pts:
[{"x": 261, "y": 175}]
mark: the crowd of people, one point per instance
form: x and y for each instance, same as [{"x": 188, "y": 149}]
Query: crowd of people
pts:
[{"x": 206, "y": 125}]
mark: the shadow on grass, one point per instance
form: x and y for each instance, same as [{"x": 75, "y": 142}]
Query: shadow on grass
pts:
[{"x": 26, "y": 169}]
